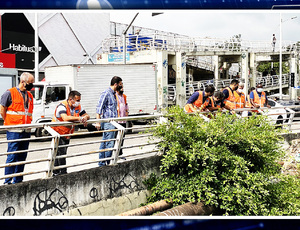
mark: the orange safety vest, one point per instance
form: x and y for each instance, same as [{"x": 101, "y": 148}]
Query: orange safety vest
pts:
[
  {"x": 230, "y": 101},
  {"x": 125, "y": 99},
  {"x": 213, "y": 103},
  {"x": 196, "y": 103},
  {"x": 65, "y": 129},
  {"x": 16, "y": 114},
  {"x": 239, "y": 100},
  {"x": 259, "y": 100},
  {"x": 248, "y": 103}
]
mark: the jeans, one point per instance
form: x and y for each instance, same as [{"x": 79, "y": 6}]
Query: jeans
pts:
[
  {"x": 108, "y": 144},
  {"x": 11, "y": 158},
  {"x": 60, "y": 152}
]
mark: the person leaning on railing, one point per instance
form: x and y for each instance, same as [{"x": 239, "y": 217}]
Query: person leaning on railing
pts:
[
  {"x": 198, "y": 98},
  {"x": 68, "y": 110},
  {"x": 107, "y": 108},
  {"x": 16, "y": 109},
  {"x": 229, "y": 97},
  {"x": 122, "y": 111},
  {"x": 258, "y": 97}
]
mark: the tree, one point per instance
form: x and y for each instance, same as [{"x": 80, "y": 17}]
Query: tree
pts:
[
  {"x": 266, "y": 66},
  {"x": 228, "y": 163}
]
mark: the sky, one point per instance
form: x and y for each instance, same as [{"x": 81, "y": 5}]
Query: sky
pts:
[{"x": 252, "y": 25}]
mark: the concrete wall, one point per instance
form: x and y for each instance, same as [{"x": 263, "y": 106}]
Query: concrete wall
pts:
[{"x": 64, "y": 195}]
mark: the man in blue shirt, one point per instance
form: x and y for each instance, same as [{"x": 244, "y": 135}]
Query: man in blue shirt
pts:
[
  {"x": 258, "y": 97},
  {"x": 107, "y": 108}
]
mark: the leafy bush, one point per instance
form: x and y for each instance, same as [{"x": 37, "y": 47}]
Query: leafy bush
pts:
[{"x": 228, "y": 163}]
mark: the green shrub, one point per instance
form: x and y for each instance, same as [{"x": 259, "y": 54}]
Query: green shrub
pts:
[{"x": 228, "y": 163}]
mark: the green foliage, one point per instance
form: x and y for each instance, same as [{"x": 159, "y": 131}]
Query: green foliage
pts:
[
  {"x": 228, "y": 163},
  {"x": 267, "y": 66}
]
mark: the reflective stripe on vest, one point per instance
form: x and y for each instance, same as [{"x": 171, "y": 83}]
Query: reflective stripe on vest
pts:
[
  {"x": 239, "y": 100},
  {"x": 230, "y": 101},
  {"x": 16, "y": 114},
  {"x": 259, "y": 100},
  {"x": 65, "y": 129}
]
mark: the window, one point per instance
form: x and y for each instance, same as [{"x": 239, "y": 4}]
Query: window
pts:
[
  {"x": 55, "y": 94},
  {"x": 271, "y": 103}
]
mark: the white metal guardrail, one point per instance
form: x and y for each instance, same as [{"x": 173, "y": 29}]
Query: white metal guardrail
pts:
[
  {"x": 266, "y": 81},
  {"x": 42, "y": 150},
  {"x": 84, "y": 152},
  {"x": 159, "y": 41}
]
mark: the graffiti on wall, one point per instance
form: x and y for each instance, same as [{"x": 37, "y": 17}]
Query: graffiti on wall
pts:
[
  {"x": 127, "y": 182},
  {"x": 10, "y": 211},
  {"x": 44, "y": 202}
]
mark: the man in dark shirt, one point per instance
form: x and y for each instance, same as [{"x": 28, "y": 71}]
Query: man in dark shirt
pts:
[{"x": 198, "y": 98}]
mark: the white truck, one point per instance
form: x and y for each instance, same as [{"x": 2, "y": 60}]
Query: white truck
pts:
[{"x": 90, "y": 80}]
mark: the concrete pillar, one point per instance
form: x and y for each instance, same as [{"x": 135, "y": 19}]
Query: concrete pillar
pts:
[
  {"x": 245, "y": 70},
  {"x": 253, "y": 70},
  {"x": 180, "y": 79},
  {"x": 162, "y": 79},
  {"x": 191, "y": 75},
  {"x": 215, "y": 61}
]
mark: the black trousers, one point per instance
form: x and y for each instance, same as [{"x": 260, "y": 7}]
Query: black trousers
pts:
[{"x": 61, "y": 152}]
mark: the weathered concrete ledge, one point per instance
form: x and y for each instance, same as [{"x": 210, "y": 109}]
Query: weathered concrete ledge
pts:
[
  {"x": 59, "y": 195},
  {"x": 110, "y": 207}
]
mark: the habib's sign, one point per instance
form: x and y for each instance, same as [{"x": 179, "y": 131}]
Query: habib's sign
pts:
[
  {"x": 18, "y": 39},
  {"x": 7, "y": 60},
  {"x": 22, "y": 48}
]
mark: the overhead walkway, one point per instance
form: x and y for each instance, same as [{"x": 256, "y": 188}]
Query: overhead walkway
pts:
[
  {"x": 189, "y": 56},
  {"x": 193, "y": 46}
]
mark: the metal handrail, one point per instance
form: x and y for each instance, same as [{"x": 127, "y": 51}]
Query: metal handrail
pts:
[
  {"x": 159, "y": 41},
  {"x": 53, "y": 145},
  {"x": 91, "y": 157}
]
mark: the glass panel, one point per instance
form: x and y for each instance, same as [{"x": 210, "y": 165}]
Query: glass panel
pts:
[{"x": 55, "y": 94}]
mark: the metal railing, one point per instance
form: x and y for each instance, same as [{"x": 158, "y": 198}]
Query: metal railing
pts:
[
  {"x": 266, "y": 81},
  {"x": 160, "y": 41},
  {"x": 272, "y": 81},
  {"x": 42, "y": 151},
  {"x": 83, "y": 149}
]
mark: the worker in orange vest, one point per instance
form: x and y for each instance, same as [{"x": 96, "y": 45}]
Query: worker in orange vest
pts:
[
  {"x": 248, "y": 103},
  {"x": 229, "y": 98},
  {"x": 122, "y": 112},
  {"x": 195, "y": 102},
  {"x": 16, "y": 109},
  {"x": 216, "y": 102},
  {"x": 258, "y": 97},
  {"x": 240, "y": 98},
  {"x": 68, "y": 110}
]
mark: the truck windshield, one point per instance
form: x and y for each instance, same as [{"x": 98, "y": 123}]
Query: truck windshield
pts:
[{"x": 37, "y": 92}]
